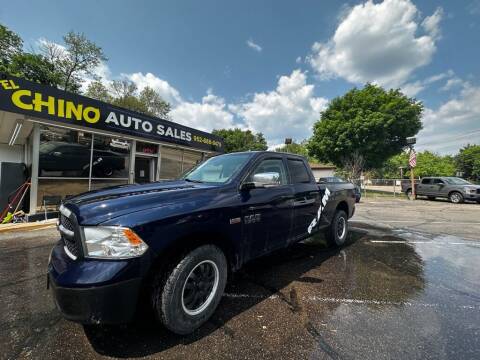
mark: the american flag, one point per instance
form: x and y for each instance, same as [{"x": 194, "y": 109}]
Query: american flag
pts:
[{"x": 413, "y": 159}]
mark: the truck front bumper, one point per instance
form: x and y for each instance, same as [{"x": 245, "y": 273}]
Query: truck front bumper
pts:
[
  {"x": 94, "y": 291},
  {"x": 109, "y": 304},
  {"x": 471, "y": 196}
]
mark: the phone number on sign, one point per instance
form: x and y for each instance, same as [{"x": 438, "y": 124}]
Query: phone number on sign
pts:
[{"x": 203, "y": 140}]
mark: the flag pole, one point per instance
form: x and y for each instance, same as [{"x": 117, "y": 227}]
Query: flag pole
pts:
[{"x": 412, "y": 177}]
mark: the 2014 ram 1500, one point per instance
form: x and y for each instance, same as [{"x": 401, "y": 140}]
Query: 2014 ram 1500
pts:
[{"x": 175, "y": 242}]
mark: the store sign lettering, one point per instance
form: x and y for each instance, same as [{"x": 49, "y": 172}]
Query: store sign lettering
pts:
[
  {"x": 26, "y": 100},
  {"x": 44, "y": 102},
  {"x": 122, "y": 120}
]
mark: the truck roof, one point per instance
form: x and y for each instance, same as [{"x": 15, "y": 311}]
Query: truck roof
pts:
[{"x": 267, "y": 152}]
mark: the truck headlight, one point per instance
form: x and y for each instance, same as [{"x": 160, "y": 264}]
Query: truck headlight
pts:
[
  {"x": 469, "y": 190},
  {"x": 113, "y": 242}
]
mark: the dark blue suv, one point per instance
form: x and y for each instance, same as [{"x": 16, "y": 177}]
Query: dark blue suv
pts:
[{"x": 173, "y": 243}]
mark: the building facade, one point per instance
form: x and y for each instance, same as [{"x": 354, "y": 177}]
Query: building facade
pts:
[{"x": 67, "y": 144}]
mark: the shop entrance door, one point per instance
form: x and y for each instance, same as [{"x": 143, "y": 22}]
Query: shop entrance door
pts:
[{"x": 144, "y": 169}]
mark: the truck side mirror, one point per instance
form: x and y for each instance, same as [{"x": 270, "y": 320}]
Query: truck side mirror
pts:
[{"x": 262, "y": 180}]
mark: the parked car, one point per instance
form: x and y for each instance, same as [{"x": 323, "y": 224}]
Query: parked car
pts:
[
  {"x": 453, "y": 188},
  {"x": 63, "y": 156},
  {"x": 339, "y": 180},
  {"x": 175, "y": 242}
]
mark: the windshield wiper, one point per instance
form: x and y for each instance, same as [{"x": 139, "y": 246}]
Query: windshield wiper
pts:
[{"x": 194, "y": 181}]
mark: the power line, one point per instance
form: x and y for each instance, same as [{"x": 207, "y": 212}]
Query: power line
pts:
[{"x": 453, "y": 137}]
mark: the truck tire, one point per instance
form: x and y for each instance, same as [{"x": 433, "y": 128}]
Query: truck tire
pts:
[
  {"x": 455, "y": 197},
  {"x": 337, "y": 232},
  {"x": 186, "y": 296}
]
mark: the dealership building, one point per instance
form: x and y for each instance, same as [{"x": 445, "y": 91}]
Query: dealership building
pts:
[{"x": 67, "y": 144}]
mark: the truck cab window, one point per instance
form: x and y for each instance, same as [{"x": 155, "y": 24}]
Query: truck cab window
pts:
[
  {"x": 271, "y": 166},
  {"x": 426, "y": 181},
  {"x": 298, "y": 171}
]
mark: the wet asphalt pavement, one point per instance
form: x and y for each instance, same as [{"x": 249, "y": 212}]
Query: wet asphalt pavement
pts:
[{"x": 389, "y": 293}]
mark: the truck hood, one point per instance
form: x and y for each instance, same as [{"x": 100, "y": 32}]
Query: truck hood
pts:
[{"x": 95, "y": 207}]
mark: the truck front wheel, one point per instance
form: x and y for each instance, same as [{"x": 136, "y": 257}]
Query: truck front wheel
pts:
[
  {"x": 337, "y": 232},
  {"x": 188, "y": 294}
]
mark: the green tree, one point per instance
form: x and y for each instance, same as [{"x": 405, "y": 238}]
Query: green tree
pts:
[
  {"x": 78, "y": 58},
  {"x": 239, "y": 140},
  {"x": 154, "y": 103},
  {"x": 124, "y": 93},
  {"x": 468, "y": 162},
  {"x": 11, "y": 44},
  {"x": 366, "y": 126},
  {"x": 34, "y": 67},
  {"x": 97, "y": 90},
  {"x": 428, "y": 164},
  {"x": 14, "y": 61}
]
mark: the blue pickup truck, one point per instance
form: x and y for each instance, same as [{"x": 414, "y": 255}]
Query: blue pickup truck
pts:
[{"x": 172, "y": 244}]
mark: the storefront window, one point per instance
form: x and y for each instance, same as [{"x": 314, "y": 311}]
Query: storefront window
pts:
[
  {"x": 52, "y": 191},
  {"x": 64, "y": 153},
  {"x": 146, "y": 148},
  {"x": 171, "y": 164},
  {"x": 191, "y": 159},
  {"x": 110, "y": 157}
]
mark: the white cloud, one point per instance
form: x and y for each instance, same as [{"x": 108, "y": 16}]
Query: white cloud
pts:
[
  {"x": 298, "y": 60},
  {"x": 288, "y": 111},
  {"x": 413, "y": 88},
  {"x": 251, "y": 44},
  {"x": 377, "y": 43},
  {"x": 164, "y": 89},
  {"x": 453, "y": 124},
  {"x": 210, "y": 114},
  {"x": 431, "y": 24},
  {"x": 452, "y": 83},
  {"x": 474, "y": 7}
]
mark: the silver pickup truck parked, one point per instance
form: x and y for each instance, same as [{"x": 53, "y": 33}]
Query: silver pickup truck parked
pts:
[{"x": 455, "y": 189}]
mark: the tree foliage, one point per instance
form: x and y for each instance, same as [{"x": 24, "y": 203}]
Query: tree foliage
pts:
[
  {"x": 428, "y": 164},
  {"x": 468, "y": 162},
  {"x": 10, "y": 45},
  {"x": 371, "y": 122},
  {"x": 240, "y": 140},
  {"x": 34, "y": 67},
  {"x": 125, "y": 94},
  {"x": 78, "y": 58}
]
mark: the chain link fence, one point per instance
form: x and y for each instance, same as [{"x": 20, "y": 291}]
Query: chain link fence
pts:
[{"x": 386, "y": 187}]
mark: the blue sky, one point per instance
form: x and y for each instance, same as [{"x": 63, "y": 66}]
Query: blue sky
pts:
[{"x": 271, "y": 66}]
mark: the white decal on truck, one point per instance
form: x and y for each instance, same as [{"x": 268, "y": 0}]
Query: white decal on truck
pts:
[{"x": 320, "y": 210}]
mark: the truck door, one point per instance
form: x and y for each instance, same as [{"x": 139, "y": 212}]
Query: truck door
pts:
[
  {"x": 267, "y": 213},
  {"x": 307, "y": 197},
  {"x": 439, "y": 188},
  {"x": 424, "y": 187}
]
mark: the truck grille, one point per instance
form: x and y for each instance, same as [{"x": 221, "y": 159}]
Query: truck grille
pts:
[{"x": 69, "y": 233}]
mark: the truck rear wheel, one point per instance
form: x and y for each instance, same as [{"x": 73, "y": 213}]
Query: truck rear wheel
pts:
[
  {"x": 188, "y": 294},
  {"x": 337, "y": 232}
]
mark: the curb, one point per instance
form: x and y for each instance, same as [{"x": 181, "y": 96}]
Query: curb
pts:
[{"x": 27, "y": 226}]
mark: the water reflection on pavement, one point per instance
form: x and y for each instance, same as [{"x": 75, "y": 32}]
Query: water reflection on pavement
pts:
[{"x": 386, "y": 294}]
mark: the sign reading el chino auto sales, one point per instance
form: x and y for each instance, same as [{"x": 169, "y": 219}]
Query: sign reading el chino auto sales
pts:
[{"x": 45, "y": 102}]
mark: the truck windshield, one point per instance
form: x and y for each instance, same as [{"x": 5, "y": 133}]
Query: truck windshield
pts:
[
  {"x": 218, "y": 169},
  {"x": 457, "y": 181}
]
